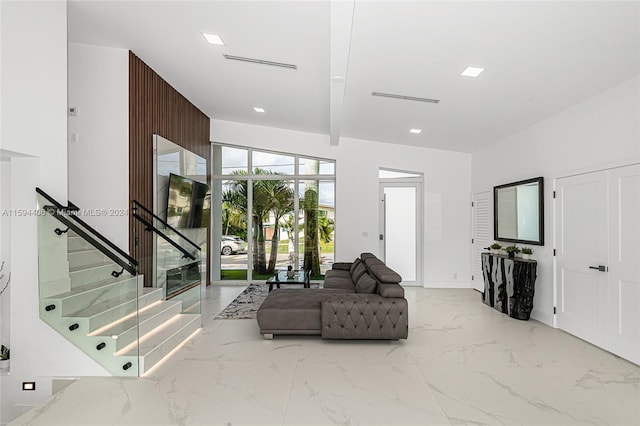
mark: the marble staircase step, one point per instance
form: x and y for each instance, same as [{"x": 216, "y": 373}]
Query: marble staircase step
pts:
[
  {"x": 127, "y": 331},
  {"x": 86, "y": 274},
  {"x": 158, "y": 344},
  {"x": 75, "y": 242},
  {"x": 85, "y": 257},
  {"x": 79, "y": 298},
  {"x": 104, "y": 313}
]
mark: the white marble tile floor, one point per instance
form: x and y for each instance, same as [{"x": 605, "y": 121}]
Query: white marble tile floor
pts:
[{"x": 463, "y": 364}]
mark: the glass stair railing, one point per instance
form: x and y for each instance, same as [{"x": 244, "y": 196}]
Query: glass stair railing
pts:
[
  {"x": 177, "y": 260},
  {"x": 92, "y": 294}
]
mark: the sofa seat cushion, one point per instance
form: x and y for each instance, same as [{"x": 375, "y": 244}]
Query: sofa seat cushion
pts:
[
  {"x": 340, "y": 282},
  {"x": 335, "y": 273},
  {"x": 293, "y": 310}
]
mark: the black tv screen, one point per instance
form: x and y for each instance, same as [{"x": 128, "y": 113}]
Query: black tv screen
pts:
[{"x": 188, "y": 203}]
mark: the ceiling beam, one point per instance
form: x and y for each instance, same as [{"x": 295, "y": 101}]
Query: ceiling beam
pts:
[{"x": 341, "y": 25}]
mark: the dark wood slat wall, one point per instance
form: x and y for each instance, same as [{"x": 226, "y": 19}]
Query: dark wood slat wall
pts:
[{"x": 157, "y": 108}]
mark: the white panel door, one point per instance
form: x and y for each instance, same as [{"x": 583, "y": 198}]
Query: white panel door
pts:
[
  {"x": 582, "y": 245},
  {"x": 401, "y": 234},
  {"x": 482, "y": 237},
  {"x": 624, "y": 266}
]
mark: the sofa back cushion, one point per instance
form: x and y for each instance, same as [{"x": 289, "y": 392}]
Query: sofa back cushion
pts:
[
  {"x": 354, "y": 265},
  {"x": 365, "y": 256},
  {"x": 390, "y": 290},
  {"x": 370, "y": 261},
  {"x": 359, "y": 271},
  {"x": 384, "y": 274},
  {"x": 366, "y": 284}
]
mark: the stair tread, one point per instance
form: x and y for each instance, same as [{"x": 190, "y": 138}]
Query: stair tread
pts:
[
  {"x": 82, "y": 250},
  {"x": 160, "y": 334},
  {"x": 144, "y": 315},
  {"x": 98, "y": 308},
  {"x": 91, "y": 287},
  {"x": 94, "y": 266}
]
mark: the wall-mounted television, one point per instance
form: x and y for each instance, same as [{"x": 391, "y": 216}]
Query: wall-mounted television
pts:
[{"x": 188, "y": 203}]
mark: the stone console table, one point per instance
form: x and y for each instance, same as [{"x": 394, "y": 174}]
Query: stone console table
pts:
[{"x": 509, "y": 284}]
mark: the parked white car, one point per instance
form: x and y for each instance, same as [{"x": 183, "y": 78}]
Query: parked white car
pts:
[{"x": 231, "y": 244}]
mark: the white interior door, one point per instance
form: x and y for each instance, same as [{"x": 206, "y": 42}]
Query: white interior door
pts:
[
  {"x": 624, "y": 266},
  {"x": 582, "y": 245},
  {"x": 401, "y": 233},
  {"x": 481, "y": 205}
]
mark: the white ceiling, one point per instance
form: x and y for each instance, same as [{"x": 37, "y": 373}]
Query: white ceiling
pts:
[{"x": 541, "y": 58}]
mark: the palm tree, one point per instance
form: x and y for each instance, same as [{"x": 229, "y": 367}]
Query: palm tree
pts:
[
  {"x": 234, "y": 214},
  {"x": 311, "y": 236},
  {"x": 283, "y": 204},
  {"x": 270, "y": 197},
  {"x": 326, "y": 227}
]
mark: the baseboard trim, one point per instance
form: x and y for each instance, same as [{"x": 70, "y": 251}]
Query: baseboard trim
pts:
[
  {"x": 542, "y": 317},
  {"x": 448, "y": 284}
]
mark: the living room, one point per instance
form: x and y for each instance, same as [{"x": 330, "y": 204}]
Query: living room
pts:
[{"x": 580, "y": 123}]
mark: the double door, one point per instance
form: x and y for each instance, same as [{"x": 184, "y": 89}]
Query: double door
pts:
[{"x": 597, "y": 237}]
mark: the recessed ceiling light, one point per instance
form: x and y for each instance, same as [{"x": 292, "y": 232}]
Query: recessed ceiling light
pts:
[
  {"x": 415, "y": 131},
  {"x": 213, "y": 39},
  {"x": 260, "y": 110},
  {"x": 472, "y": 72}
]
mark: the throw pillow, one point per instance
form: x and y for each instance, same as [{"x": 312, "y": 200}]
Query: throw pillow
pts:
[{"x": 366, "y": 284}]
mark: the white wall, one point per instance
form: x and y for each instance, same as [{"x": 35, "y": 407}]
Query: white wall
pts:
[
  {"x": 34, "y": 86},
  {"x": 446, "y": 193},
  {"x": 5, "y": 249},
  {"x": 600, "y": 132},
  {"x": 99, "y": 138},
  {"x": 33, "y": 105}
]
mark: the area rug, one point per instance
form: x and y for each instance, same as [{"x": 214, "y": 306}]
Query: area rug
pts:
[{"x": 247, "y": 303}]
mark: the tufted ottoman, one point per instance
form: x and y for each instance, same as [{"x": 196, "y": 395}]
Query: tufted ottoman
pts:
[
  {"x": 293, "y": 311},
  {"x": 333, "y": 313}
]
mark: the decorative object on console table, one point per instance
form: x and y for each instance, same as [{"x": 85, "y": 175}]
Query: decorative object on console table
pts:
[
  {"x": 496, "y": 248},
  {"x": 509, "y": 284},
  {"x": 511, "y": 251},
  {"x": 526, "y": 253},
  {"x": 4, "y": 357}
]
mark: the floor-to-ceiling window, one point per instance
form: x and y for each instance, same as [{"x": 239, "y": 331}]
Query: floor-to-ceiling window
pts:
[{"x": 271, "y": 210}]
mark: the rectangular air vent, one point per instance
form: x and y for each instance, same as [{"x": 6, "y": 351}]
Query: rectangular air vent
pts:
[
  {"x": 404, "y": 97},
  {"x": 261, "y": 61}
]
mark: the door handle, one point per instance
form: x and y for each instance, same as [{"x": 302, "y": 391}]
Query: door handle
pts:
[
  {"x": 381, "y": 237},
  {"x": 600, "y": 268}
]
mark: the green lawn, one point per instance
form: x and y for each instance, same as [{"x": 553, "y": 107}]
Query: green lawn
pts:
[
  {"x": 241, "y": 275},
  {"x": 283, "y": 247}
]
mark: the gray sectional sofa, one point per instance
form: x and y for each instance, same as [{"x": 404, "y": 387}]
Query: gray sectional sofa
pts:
[{"x": 359, "y": 300}]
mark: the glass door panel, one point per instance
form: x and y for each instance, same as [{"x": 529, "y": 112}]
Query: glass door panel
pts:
[
  {"x": 233, "y": 244},
  {"x": 316, "y": 225},
  {"x": 273, "y": 203}
]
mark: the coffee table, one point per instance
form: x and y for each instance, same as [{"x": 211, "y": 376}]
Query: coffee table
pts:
[{"x": 300, "y": 276}]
